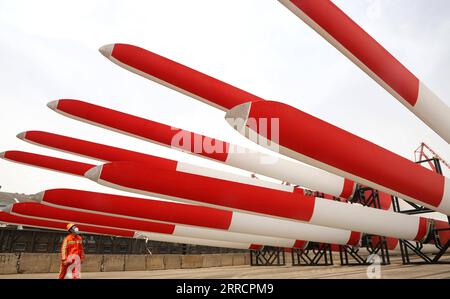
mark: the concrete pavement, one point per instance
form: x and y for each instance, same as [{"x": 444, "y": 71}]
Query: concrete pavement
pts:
[{"x": 395, "y": 270}]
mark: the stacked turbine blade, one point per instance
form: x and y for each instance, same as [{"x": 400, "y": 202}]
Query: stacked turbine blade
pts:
[
  {"x": 179, "y": 213},
  {"x": 216, "y": 208},
  {"x": 371, "y": 165}
]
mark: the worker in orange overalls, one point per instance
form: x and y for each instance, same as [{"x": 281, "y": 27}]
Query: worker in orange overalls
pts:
[{"x": 71, "y": 254}]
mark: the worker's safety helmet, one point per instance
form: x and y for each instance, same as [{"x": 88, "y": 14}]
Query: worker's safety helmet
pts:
[{"x": 69, "y": 226}]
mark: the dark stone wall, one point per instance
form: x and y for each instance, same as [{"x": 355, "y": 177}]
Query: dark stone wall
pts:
[{"x": 46, "y": 241}]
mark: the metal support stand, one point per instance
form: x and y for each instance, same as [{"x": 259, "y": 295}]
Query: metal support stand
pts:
[
  {"x": 410, "y": 249},
  {"x": 314, "y": 255},
  {"x": 380, "y": 249},
  {"x": 350, "y": 256},
  {"x": 368, "y": 197},
  {"x": 268, "y": 256},
  {"x": 347, "y": 253}
]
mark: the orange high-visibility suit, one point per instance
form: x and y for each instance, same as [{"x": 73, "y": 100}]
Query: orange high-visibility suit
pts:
[{"x": 71, "y": 250}]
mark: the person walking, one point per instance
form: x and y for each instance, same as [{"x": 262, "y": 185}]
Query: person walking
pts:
[{"x": 72, "y": 254}]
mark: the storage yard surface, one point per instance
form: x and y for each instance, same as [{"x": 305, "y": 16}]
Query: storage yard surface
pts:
[{"x": 395, "y": 270}]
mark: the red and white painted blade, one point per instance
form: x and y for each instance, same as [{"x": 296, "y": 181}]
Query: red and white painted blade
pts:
[
  {"x": 7, "y": 218},
  {"x": 154, "y": 231},
  {"x": 214, "y": 149},
  {"x": 304, "y": 137},
  {"x": 49, "y": 211},
  {"x": 362, "y": 49},
  {"x": 242, "y": 223},
  {"x": 233, "y": 196},
  {"x": 192, "y": 215}
]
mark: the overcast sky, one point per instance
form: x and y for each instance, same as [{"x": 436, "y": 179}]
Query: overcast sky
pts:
[{"x": 49, "y": 50}]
